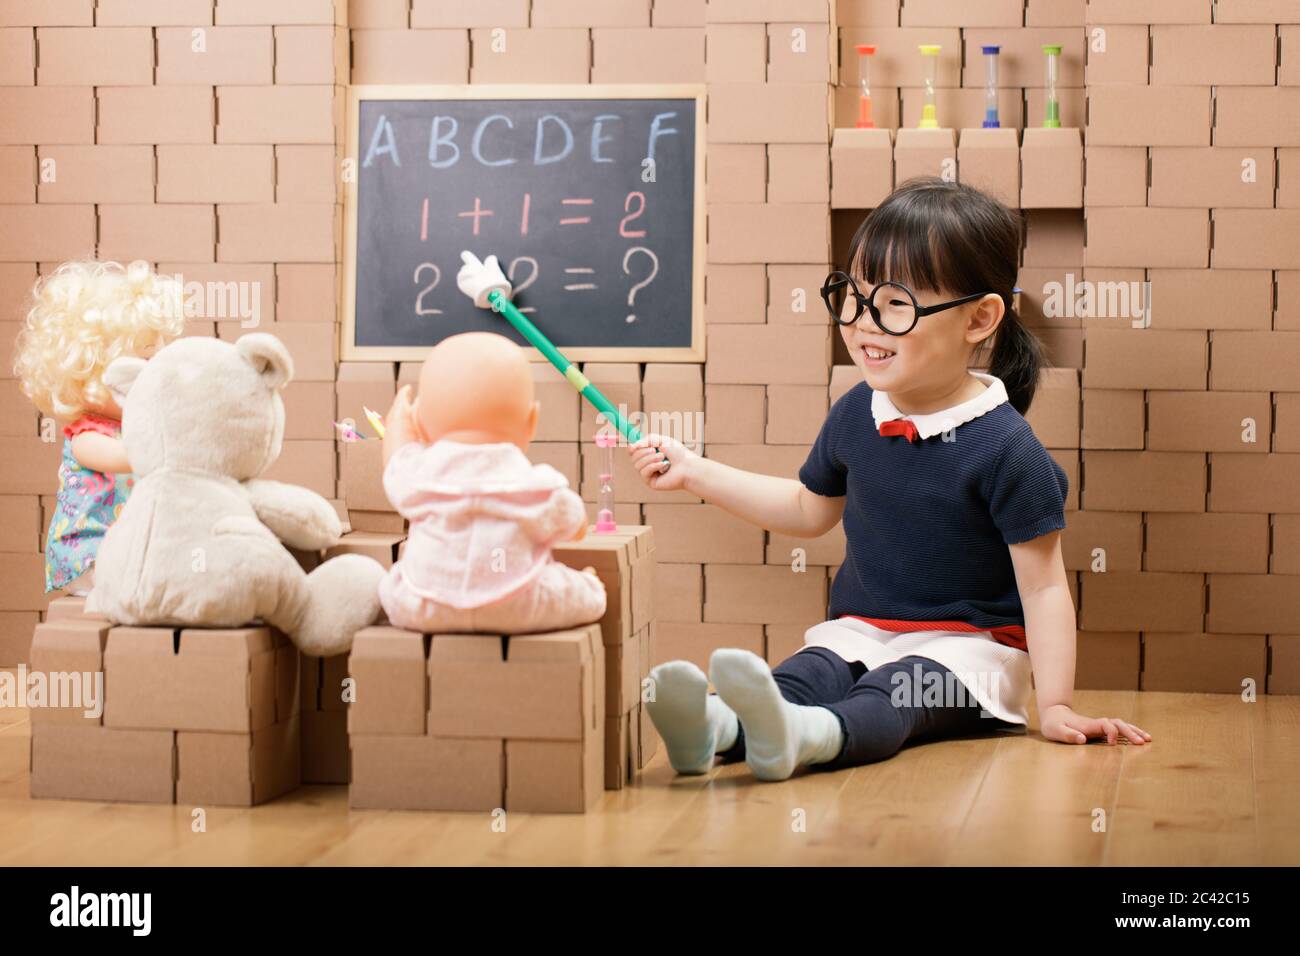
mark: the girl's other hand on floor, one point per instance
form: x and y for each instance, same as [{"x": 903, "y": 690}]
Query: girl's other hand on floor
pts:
[{"x": 1062, "y": 724}]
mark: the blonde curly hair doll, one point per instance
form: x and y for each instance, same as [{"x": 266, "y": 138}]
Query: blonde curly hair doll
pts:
[{"x": 84, "y": 315}]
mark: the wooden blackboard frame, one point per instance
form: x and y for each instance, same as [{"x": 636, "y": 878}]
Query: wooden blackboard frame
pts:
[{"x": 349, "y": 351}]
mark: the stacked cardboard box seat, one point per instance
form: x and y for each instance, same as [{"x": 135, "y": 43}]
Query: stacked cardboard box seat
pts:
[
  {"x": 192, "y": 716},
  {"x": 527, "y": 722}
]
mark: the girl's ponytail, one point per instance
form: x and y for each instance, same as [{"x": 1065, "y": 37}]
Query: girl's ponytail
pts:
[{"x": 1017, "y": 359}]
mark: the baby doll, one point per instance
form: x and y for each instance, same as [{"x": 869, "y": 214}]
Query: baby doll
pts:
[
  {"x": 86, "y": 314},
  {"x": 483, "y": 518}
]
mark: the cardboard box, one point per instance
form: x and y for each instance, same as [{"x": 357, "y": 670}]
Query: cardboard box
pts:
[
  {"x": 939, "y": 13},
  {"x": 98, "y": 56},
  {"x": 24, "y": 577},
  {"x": 1203, "y": 177},
  {"x": 279, "y": 114},
  {"x": 1108, "y": 660},
  {"x": 1051, "y": 169},
  {"x": 696, "y": 642},
  {"x": 380, "y": 547},
  {"x": 801, "y": 53},
  {"x": 45, "y": 231},
  {"x": 1144, "y": 481},
  {"x": 1252, "y": 603},
  {"x": 989, "y": 160},
  {"x": 1115, "y": 176},
  {"x": 87, "y": 174},
  {"x": 591, "y": 13},
  {"x": 173, "y": 231},
  {"x": 16, "y": 629},
  {"x": 768, "y": 232},
  {"x": 1102, "y": 541},
  {"x": 309, "y": 464},
  {"x": 240, "y": 770},
  {"x": 861, "y": 168},
  {"x": 1054, "y": 237},
  {"x": 736, "y": 172},
  {"x": 388, "y": 667},
  {"x": 47, "y": 115},
  {"x": 703, "y": 533},
  {"x": 1054, "y": 414},
  {"x": 1149, "y": 116},
  {"x": 235, "y": 680},
  {"x": 735, "y": 414},
  {"x": 768, "y": 355},
  {"x": 91, "y": 762},
  {"x": 305, "y": 292},
  {"x": 321, "y": 54},
  {"x": 677, "y": 13},
  {"x": 1218, "y": 55},
  {"x": 795, "y": 413},
  {"x": 1254, "y": 483},
  {"x": 644, "y": 55},
  {"x": 1118, "y": 54},
  {"x": 769, "y": 113},
  {"x": 214, "y": 174},
  {"x": 553, "y": 732},
  {"x": 1284, "y": 664},
  {"x": 461, "y": 13},
  {"x": 1209, "y": 421},
  {"x": 560, "y": 55},
  {"x": 734, "y": 293},
  {"x": 1145, "y": 600},
  {"x": 1255, "y": 360},
  {"x": 1055, "y": 13},
  {"x": 153, "y": 114},
  {"x": 735, "y": 53},
  {"x": 614, "y": 556},
  {"x": 1256, "y": 238},
  {"x": 678, "y": 592},
  {"x": 1148, "y": 11},
  {"x": 762, "y": 594},
  {"x": 1217, "y": 299},
  {"x": 673, "y": 398},
  {"x": 1146, "y": 358},
  {"x": 399, "y": 55},
  {"x": 1248, "y": 116},
  {"x": 436, "y": 773},
  {"x": 1233, "y": 543},
  {"x": 1203, "y": 663},
  {"x": 798, "y": 173},
  {"x": 766, "y": 11},
  {"x": 71, "y": 646},
  {"x": 791, "y": 552},
  {"x": 230, "y": 56},
  {"x": 149, "y": 13},
  {"x": 925, "y": 152},
  {"x": 1114, "y": 418},
  {"x": 379, "y": 522},
  {"x": 1170, "y": 238}
]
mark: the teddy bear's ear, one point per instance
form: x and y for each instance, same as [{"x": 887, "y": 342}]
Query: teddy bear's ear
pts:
[
  {"x": 268, "y": 356},
  {"x": 121, "y": 375}
]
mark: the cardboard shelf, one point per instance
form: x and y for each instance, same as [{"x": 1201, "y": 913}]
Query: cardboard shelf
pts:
[{"x": 1044, "y": 171}]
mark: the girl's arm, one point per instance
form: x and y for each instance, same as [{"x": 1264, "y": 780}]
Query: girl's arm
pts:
[
  {"x": 100, "y": 452},
  {"x": 1050, "y": 634},
  {"x": 782, "y": 505}
]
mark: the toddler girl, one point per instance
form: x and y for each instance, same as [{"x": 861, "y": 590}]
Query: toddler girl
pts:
[
  {"x": 86, "y": 314},
  {"x": 952, "y": 581}
]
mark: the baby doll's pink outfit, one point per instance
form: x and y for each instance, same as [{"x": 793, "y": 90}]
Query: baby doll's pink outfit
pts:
[{"x": 478, "y": 557}]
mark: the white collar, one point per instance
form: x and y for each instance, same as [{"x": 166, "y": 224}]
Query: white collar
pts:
[{"x": 884, "y": 410}]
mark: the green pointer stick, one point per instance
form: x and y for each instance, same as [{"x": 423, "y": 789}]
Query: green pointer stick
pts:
[{"x": 570, "y": 371}]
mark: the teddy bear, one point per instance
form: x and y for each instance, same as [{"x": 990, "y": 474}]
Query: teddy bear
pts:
[{"x": 201, "y": 541}]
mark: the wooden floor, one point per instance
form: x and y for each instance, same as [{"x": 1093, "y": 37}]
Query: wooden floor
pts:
[{"x": 1217, "y": 786}]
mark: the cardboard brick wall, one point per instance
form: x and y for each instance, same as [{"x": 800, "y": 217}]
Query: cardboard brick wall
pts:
[{"x": 224, "y": 166}]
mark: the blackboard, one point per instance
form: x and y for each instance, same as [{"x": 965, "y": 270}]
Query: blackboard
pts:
[{"x": 590, "y": 196}]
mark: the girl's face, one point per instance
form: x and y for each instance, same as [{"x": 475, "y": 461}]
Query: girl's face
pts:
[{"x": 927, "y": 359}]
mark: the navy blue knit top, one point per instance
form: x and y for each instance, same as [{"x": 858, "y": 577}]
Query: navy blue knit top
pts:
[{"x": 928, "y": 523}]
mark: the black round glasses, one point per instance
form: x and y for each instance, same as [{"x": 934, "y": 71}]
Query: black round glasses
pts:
[{"x": 892, "y": 305}]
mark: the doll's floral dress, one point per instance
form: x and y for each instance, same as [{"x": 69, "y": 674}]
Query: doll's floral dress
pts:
[{"x": 88, "y": 502}]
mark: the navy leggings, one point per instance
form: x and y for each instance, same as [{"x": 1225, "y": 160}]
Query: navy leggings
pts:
[{"x": 875, "y": 725}]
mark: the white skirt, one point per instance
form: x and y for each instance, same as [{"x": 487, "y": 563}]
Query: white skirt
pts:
[{"x": 996, "y": 675}]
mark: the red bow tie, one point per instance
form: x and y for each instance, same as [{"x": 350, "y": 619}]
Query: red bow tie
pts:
[{"x": 900, "y": 426}]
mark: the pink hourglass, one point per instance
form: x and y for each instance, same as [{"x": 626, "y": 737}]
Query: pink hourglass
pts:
[{"x": 605, "y": 501}]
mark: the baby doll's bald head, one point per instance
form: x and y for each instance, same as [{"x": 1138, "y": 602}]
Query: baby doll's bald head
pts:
[{"x": 477, "y": 387}]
